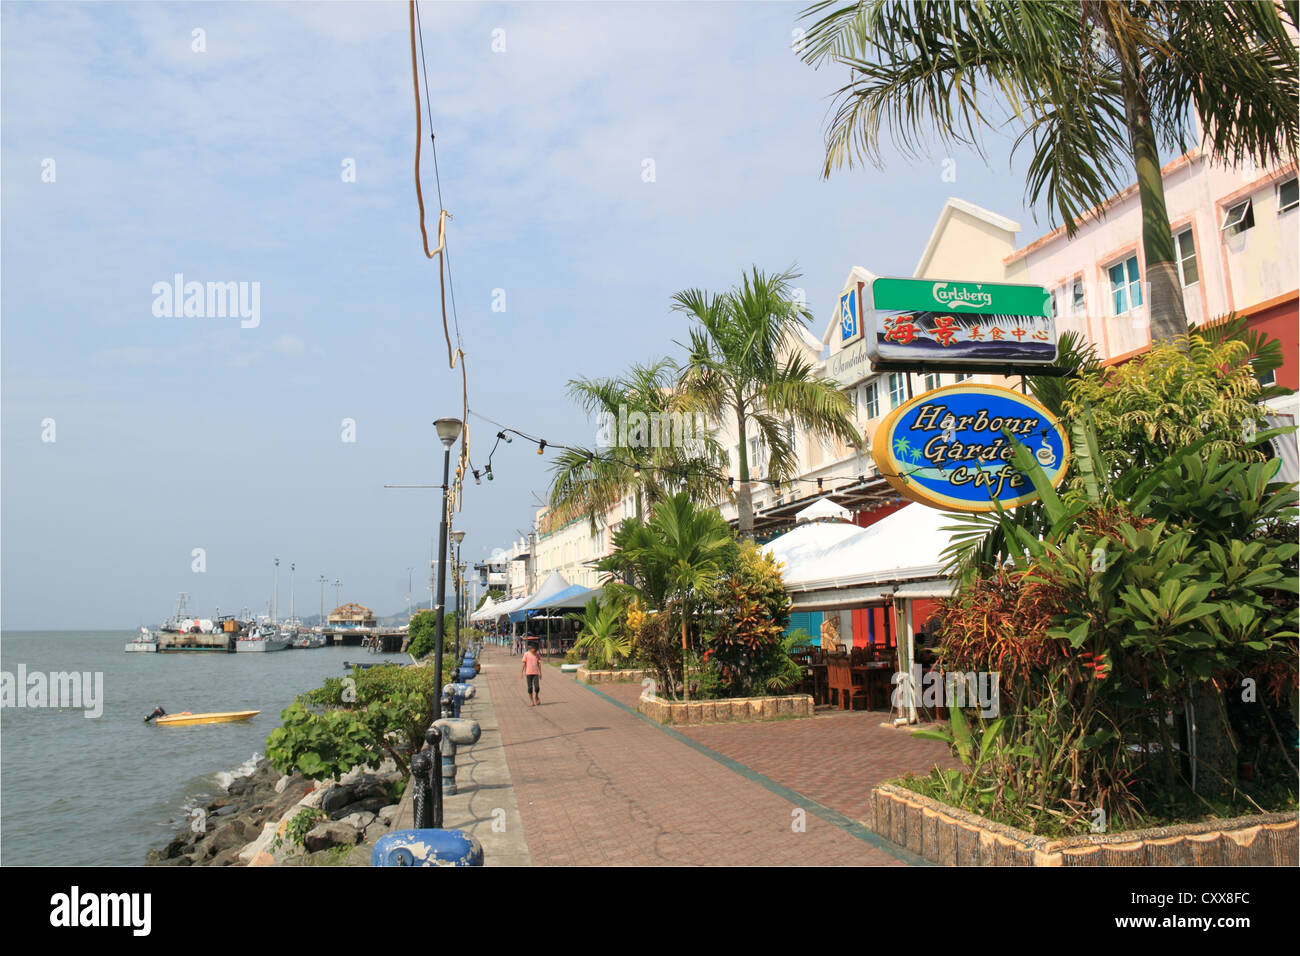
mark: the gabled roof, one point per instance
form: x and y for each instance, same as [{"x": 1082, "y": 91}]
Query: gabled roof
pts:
[{"x": 951, "y": 207}]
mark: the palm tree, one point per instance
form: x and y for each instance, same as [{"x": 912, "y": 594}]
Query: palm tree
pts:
[
  {"x": 591, "y": 481},
  {"x": 675, "y": 561},
  {"x": 1093, "y": 84},
  {"x": 736, "y": 368},
  {"x": 602, "y": 634}
]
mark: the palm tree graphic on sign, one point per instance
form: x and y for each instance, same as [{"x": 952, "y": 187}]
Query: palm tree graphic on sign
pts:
[{"x": 904, "y": 451}]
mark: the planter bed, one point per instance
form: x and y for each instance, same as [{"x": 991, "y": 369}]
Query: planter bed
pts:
[
  {"x": 716, "y": 711},
  {"x": 611, "y": 677},
  {"x": 946, "y": 835}
]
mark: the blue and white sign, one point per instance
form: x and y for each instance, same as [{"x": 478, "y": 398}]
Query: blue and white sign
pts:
[{"x": 850, "y": 317}]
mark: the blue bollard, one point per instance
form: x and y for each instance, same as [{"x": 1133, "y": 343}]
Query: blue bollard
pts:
[
  {"x": 427, "y": 848},
  {"x": 453, "y": 732}
]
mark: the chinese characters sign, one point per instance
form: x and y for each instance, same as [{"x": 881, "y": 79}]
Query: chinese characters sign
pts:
[
  {"x": 948, "y": 449},
  {"x": 960, "y": 323}
]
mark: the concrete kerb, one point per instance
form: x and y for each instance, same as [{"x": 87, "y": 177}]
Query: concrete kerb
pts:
[{"x": 484, "y": 805}]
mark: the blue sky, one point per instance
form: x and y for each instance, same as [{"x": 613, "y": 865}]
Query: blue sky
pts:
[{"x": 226, "y": 165}]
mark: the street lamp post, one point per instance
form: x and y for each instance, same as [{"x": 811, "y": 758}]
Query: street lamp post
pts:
[
  {"x": 337, "y": 584},
  {"x": 275, "y": 606},
  {"x": 408, "y": 594},
  {"x": 448, "y": 432},
  {"x": 321, "y": 622},
  {"x": 458, "y": 537},
  {"x": 292, "y": 568}
]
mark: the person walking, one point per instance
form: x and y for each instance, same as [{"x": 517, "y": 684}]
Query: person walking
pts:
[{"x": 532, "y": 671}]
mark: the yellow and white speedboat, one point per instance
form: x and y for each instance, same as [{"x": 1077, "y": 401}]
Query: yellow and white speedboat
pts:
[{"x": 186, "y": 717}]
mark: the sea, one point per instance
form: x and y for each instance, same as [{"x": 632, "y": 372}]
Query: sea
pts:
[{"x": 79, "y": 790}]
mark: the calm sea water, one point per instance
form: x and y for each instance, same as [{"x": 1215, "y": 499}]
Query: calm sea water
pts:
[{"x": 95, "y": 792}]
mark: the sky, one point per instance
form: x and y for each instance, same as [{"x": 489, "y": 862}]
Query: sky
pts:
[{"x": 595, "y": 159}]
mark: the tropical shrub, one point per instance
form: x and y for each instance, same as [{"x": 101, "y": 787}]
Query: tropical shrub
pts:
[
  {"x": 603, "y": 636},
  {"x": 1143, "y": 623},
  {"x": 355, "y": 721},
  {"x": 747, "y": 641}
]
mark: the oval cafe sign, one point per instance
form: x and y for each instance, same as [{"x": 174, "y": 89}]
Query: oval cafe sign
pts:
[{"x": 947, "y": 448}]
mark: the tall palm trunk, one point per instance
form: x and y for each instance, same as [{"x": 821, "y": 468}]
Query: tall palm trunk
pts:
[
  {"x": 744, "y": 498},
  {"x": 1164, "y": 293}
]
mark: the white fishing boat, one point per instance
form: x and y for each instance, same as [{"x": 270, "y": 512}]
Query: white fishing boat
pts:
[
  {"x": 262, "y": 638},
  {"x": 146, "y": 642}
]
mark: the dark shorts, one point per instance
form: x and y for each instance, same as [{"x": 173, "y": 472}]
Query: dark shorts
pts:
[{"x": 534, "y": 683}]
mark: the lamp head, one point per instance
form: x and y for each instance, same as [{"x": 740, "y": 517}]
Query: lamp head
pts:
[
  {"x": 448, "y": 430},
  {"x": 458, "y": 536}
]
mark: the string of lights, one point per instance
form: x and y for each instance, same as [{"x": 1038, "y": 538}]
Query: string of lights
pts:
[{"x": 682, "y": 472}]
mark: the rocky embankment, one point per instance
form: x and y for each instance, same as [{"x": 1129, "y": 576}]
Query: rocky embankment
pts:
[{"x": 249, "y": 824}]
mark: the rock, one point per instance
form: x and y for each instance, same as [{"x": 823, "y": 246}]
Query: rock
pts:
[
  {"x": 313, "y": 799},
  {"x": 331, "y": 833},
  {"x": 282, "y": 783},
  {"x": 223, "y": 811},
  {"x": 292, "y": 793},
  {"x": 231, "y": 836},
  {"x": 360, "y": 820},
  {"x": 259, "y": 845},
  {"x": 228, "y": 857},
  {"x": 337, "y": 797},
  {"x": 371, "y": 787},
  {"x": 371, "y": 804},
  {"x": 388, "y": 814}
]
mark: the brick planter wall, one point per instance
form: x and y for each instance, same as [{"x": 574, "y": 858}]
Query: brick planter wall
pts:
[
  {"x": 611, "y": 677},
  {"x": 715, "y": 711},
  {"x": 953, "y": 837}
]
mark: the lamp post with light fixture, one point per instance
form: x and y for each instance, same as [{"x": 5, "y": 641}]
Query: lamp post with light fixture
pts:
[
  {"x": 458, "y": 537},
  {"x": 448, "y": 432}
]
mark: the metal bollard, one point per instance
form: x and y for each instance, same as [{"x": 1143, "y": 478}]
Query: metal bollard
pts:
[
  {"x": 460, "y": 693},
  {"x": 421, "y": 797},
  {"x": 455, "y": 731},
  {"x": 427, "y": 847}
]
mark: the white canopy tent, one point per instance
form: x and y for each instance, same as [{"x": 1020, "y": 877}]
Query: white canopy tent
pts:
[
  {"x": 484, "y": 612},
  {"x": 823, "y": 509},
  {"x": 835, "y": 567}
]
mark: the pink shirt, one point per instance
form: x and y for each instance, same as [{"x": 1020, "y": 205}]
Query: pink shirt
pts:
[{"x": 532, "y": 663}]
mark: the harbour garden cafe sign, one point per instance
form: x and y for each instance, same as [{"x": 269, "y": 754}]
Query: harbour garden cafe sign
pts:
[{"x": 952, "y": 448}]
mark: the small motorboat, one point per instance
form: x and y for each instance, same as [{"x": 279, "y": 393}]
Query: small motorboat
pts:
[{"x": 160, "y": 716}]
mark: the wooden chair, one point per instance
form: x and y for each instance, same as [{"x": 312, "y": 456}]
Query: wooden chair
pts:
[{"x": 843, "y": 688}]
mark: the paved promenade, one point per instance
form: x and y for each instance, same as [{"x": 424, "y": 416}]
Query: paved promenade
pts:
[{"x": 597, "y": 785}]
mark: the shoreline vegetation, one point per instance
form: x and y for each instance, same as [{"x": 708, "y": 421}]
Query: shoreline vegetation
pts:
[{"x": 330, "y": 783}]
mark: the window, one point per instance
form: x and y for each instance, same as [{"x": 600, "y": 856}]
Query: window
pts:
[
  {"x": 1078, "y": 301},
  {"x": 1185, "y": 252},
  {"x": 897, "y": 390},
  {"x": 962, "y": 376},
  {"x": 1288, "y": 195},
  {"x": 873, "y": 400},
  {"x": 852, "y": 395},
  {"x": 1238, "y": 218},
  {"x": 931, "y": 381},
  {"x": 1268, "y": 378},
  {"x": 1125, "y": 285},
  {"x": 789, "y": 438},
  {"x": 1056, "y": 309}
]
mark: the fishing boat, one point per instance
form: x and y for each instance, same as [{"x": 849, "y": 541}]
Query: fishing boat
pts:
[
  {"x": 145, "y": 642},
  {"x": 159, "y": 716}
]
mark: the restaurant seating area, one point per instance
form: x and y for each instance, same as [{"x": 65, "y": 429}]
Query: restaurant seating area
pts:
[{"x": 847, "y": 680}]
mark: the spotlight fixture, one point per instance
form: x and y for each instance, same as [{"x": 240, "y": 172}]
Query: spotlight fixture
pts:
[
  {"x": 731, "y": 482},
  {"x": 505, "y": 436},
  {"x": 636, "y": 471},
  {"x": 541, "y": 446},
  {"x": 819, "y": 484},
  {"x": 488, "y": 472},
  {"x": 477, "y": 479}
]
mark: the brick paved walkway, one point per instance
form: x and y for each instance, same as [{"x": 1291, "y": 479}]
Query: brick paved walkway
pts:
[
  {"x": 835, "y": 757},
  {"x": 597, "y": 785}
]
